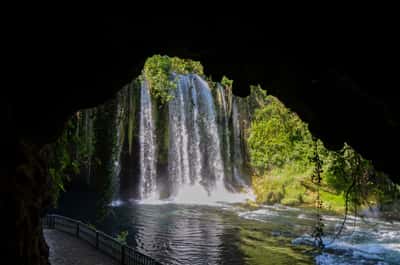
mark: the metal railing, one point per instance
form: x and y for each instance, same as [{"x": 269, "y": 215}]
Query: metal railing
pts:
[{"x": 101, "y": 241}]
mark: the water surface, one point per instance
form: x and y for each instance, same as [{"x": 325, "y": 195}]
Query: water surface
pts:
[{"x": 233, "y": 234}]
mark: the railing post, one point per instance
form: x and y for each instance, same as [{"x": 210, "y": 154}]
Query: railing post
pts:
[
  {"x": 126, "y": 252},
  {"x": 122, "y": 254},
  {"x": 97, "y": 239},
  {"x": 77, "y": 229}
]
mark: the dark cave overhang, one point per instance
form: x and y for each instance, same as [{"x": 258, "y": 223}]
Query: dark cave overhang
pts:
[{"x": 341, "y": 84}]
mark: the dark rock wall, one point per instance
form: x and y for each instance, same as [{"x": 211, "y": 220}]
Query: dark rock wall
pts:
[{"x": 27, "y": 203}]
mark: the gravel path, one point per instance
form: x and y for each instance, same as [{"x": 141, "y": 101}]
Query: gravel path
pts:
[{"x": 68, "y": 250}]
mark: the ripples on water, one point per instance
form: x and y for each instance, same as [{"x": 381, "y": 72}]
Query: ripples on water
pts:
[{"x": 234, "y": 234}]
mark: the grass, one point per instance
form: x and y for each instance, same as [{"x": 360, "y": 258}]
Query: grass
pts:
[{"x": 292, "y": 186}]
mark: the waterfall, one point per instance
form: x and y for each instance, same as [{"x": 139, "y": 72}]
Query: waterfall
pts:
[
  {"x": 121, "y": 108},
  {"x": 225, "y": 131},
  {"x": 187, "y": 150},
  {"x": 221, "y": 90},
  {"x": 147, "y": 184},
  {"x": 194, "y": 158},
  {"x": 195, "y": 147},
  {"x": 187, "y": 153},
  {"x": 212, "y": 150},
  {"x": 178, "y": 156},
  {"x": 237, "y": 150}
]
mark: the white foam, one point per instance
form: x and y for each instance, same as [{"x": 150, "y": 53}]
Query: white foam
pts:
[
  {"x": 329, "y": 259},
  {"x": 197, "y": 195},
  {"x": 116, "y": 203},
  {"x": 366, "y": 255},
  {"x": 304, "y": 240},
  {"x": 258, "y": 215},
  {"x": 280, "y": 207},
  {"x": 342, "y": 252},
  {"x": 303, "y": 216}
]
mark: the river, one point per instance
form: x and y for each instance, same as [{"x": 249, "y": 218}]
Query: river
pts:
[{"x": 236, "y": 234}]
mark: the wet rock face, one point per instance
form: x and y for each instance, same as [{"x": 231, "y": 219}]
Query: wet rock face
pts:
[
  {"x": 24, "y": 205},
  {"x": 345, "y": 92}
]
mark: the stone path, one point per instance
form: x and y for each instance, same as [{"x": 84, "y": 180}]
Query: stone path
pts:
[{"x": 68, "y": 250}]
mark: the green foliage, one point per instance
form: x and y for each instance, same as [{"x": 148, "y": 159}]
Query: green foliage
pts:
[
  {"x": 186, "y": 66},
  {"x": 85, "y": 140},
  {"x": 106, "y": 152},
  {"x": 89, "y": 141},
  {"x": 258, "y": 98},
  {"x": 278, "y": 137},
  {"x": 62, "y": 161},
  {"x": 333, "y": 201},
  {"x": 226, "y": 82},
  {"x": 280, "y": 147},
  {"x": 340, "y": 168},
  {"x": 158, "y": 72},
  {"x": 349, "y": 173},
  {"x": 122, "y": 236},
  {"x": 92, "y": 226},
  {"x": 284, "y": 186}
]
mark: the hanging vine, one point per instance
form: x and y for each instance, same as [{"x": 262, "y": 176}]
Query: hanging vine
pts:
[
  {"x": 318, "y": 230},
  {"x": 357, "y": 173}
]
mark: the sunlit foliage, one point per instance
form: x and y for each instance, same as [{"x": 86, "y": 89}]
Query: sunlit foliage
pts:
[
  {"x": 281, "y": 148},
  {"x": 158, "y": 71}
]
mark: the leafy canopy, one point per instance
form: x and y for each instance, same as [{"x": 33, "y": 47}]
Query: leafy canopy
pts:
[{"x": 277, "y": 137}]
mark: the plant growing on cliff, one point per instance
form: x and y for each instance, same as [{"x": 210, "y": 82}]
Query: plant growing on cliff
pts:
[
  {"x": 280, "y": 146},
  {"x": 62, "y": 162},
  {"x": 354, "y": 176},
  {"x": 226, "y": 82},
  {"x": 106, "y": 152},
  {"x": 278, "y": 137},
  {"x": 158, "y": 70}
]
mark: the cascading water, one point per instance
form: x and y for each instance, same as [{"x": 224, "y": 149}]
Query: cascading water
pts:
[
  {"x": 195, "y": 148},
  {"x": 147, "y": 184},
  {"x": 195, "y": 161},
  {"x": 237, "y": 150},
  {"x": 210, "y": 144},
  {"x": 185, "y": 148},
  {"x": 178, "y": 156},
  {"x": 121, "y": 108},
  {"x": 225, "y": 131}
]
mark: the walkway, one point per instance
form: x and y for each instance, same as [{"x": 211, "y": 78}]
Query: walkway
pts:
[{"x": 68, "y": 250}]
